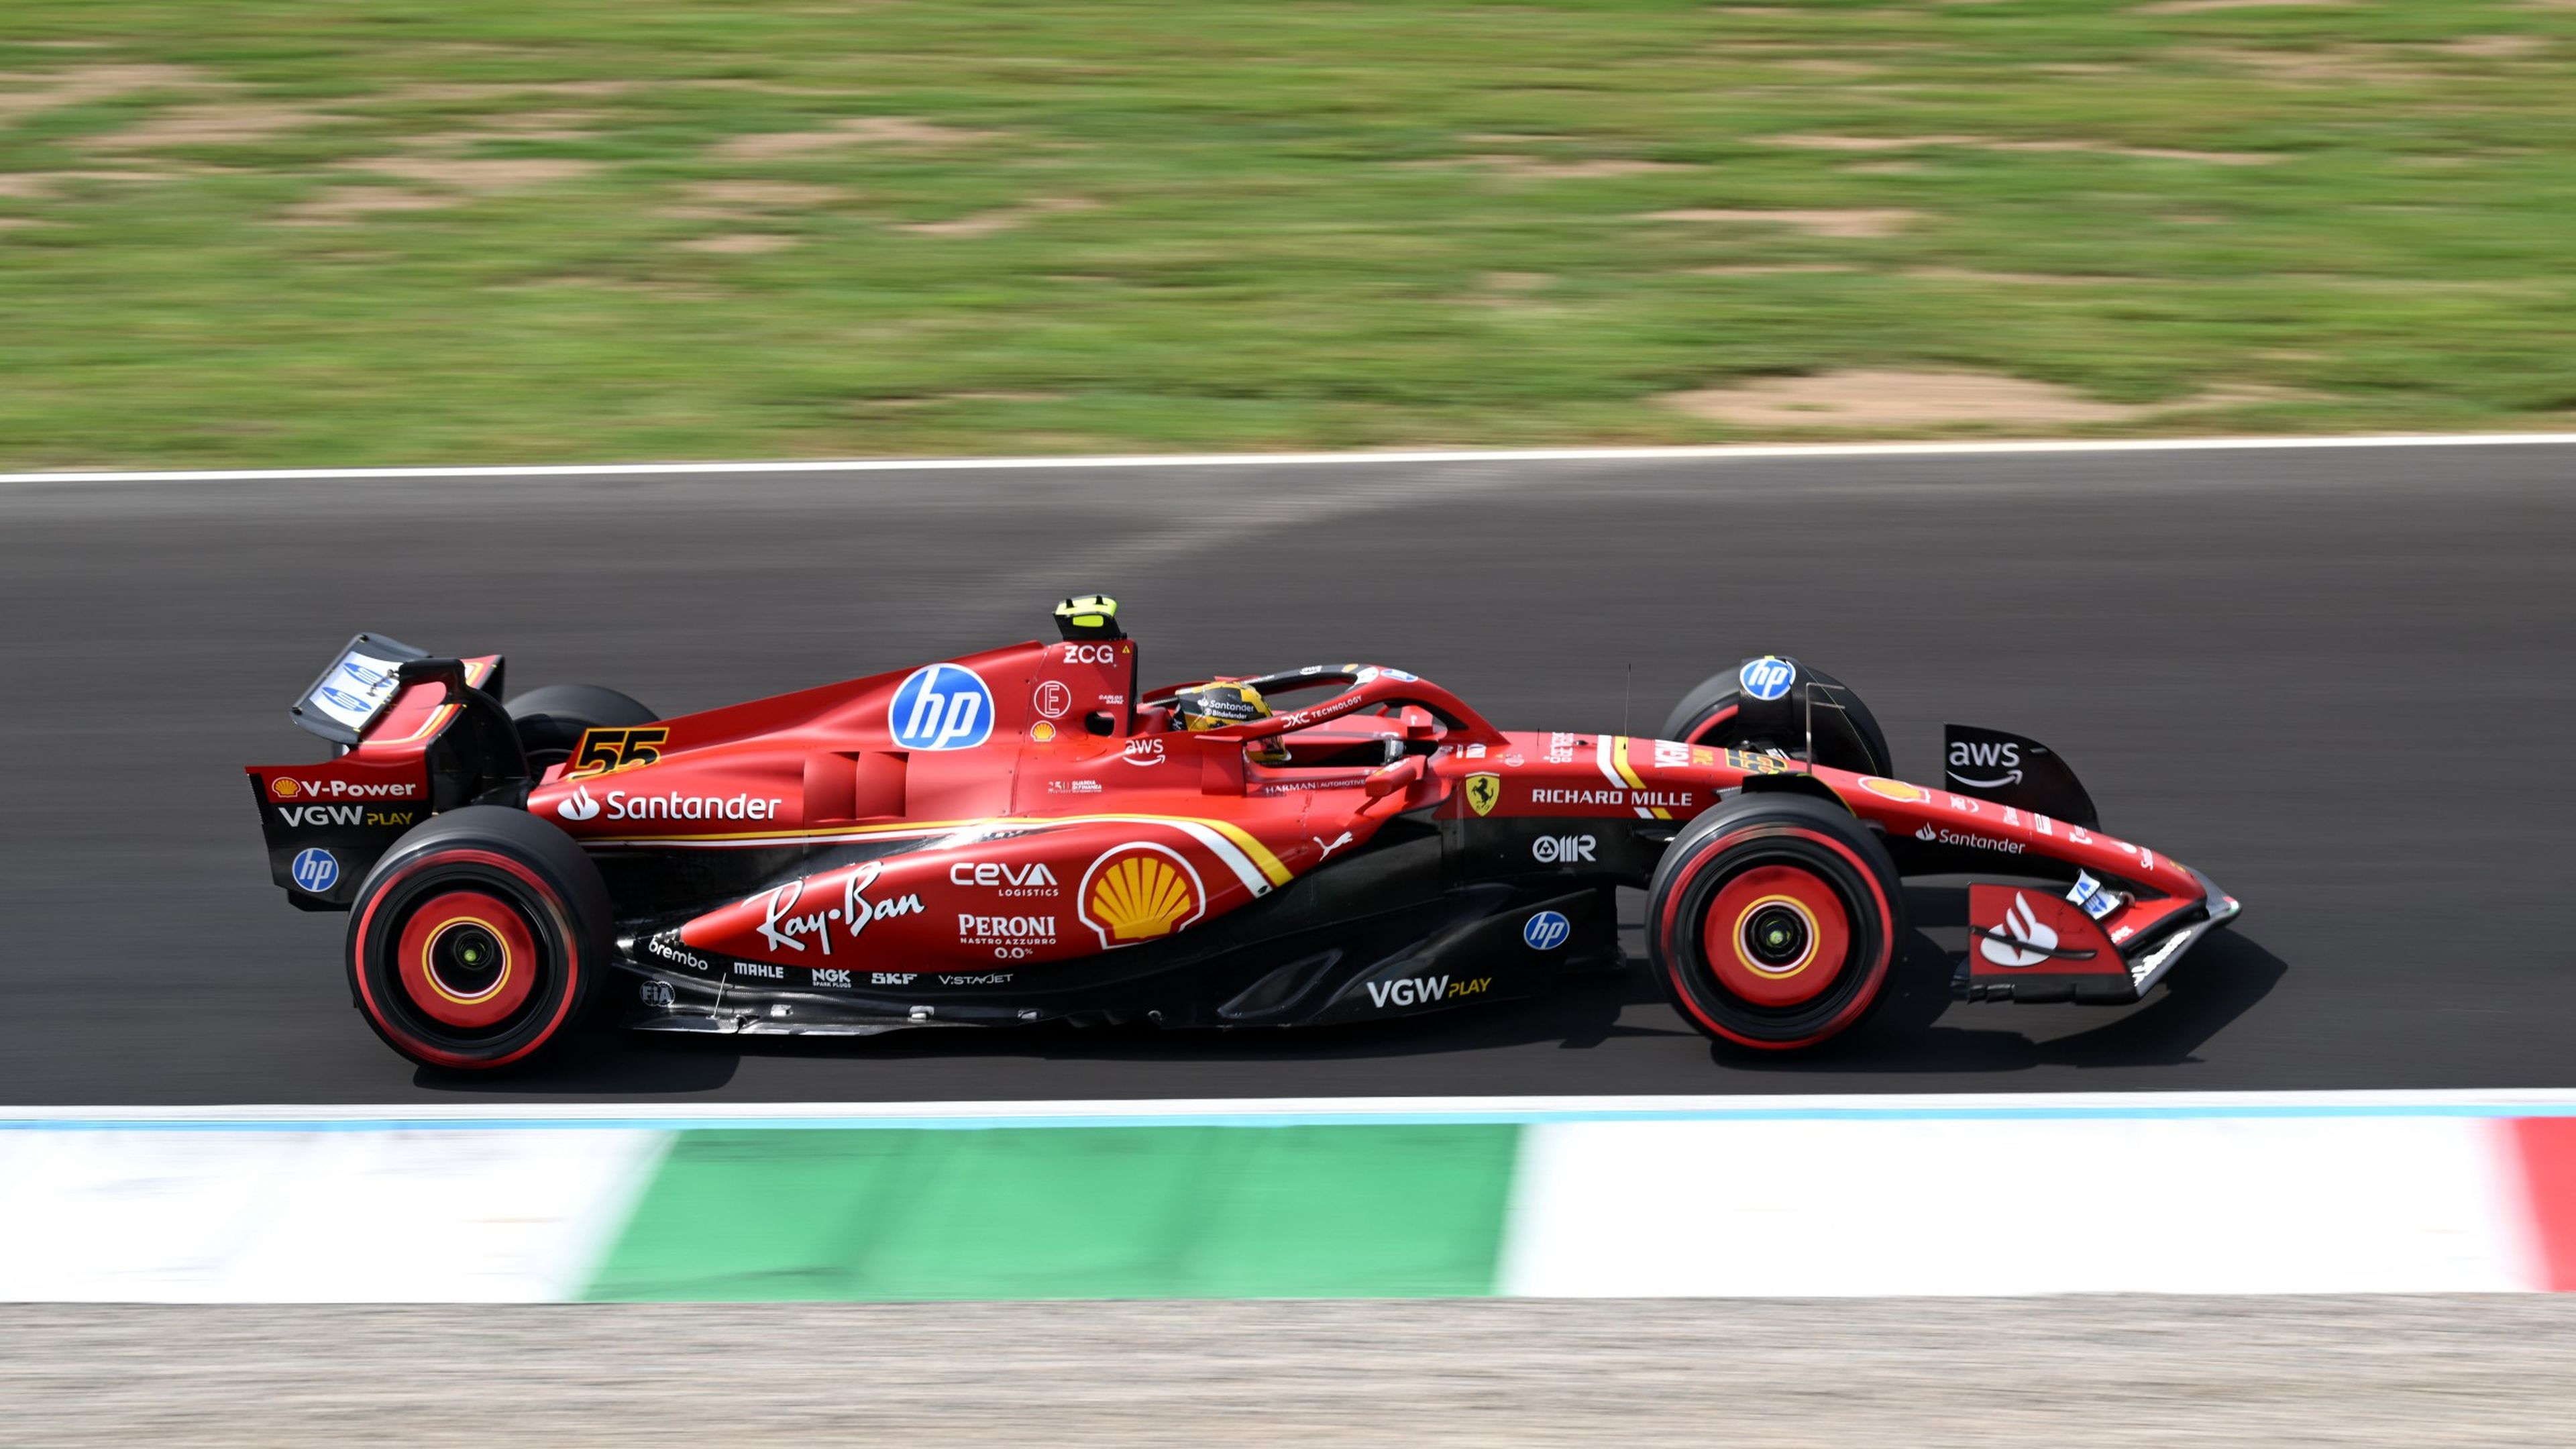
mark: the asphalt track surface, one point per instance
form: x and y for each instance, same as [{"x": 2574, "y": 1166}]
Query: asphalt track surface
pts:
[{"x": 2338, "y": 680}]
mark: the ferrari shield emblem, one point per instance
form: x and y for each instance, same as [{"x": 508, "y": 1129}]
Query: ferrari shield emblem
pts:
[{"x": 1484, "y": 792}]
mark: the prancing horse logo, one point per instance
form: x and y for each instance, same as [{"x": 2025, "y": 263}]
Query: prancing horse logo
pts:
[{"x": 1484, "y": 792}]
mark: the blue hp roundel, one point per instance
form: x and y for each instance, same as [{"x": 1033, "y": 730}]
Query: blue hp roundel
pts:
[
  {"x": 1768, "y": 677},
  {"x": 315, "y": 870},
  {"x": 1546, "y": 931},
  {"x": 941, "y": 707}
]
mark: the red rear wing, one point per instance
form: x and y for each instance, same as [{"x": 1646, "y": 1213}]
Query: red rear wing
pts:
[{"x": 325, "y": 824}]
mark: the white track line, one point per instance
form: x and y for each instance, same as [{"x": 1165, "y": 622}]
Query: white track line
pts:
[
  {"x": 1710, "y": 454},
  {"x": 1902, "y": 1208},
  {"x": 1277, "y": 1110}
]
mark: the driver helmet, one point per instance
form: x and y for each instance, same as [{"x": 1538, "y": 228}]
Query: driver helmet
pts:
[{"x": 1214, "y": 706}]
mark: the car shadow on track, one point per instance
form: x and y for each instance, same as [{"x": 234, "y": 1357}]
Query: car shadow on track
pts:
[
  {"x": 1918, "y": 1030},
  {"x": 1915, "y": 1031},
  {"x": 1580, "y": 1013}
]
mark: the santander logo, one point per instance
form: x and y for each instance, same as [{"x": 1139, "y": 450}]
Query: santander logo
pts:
[
  {"x": 578, "y": 805},
  {"x": 2024, "y": 926}
]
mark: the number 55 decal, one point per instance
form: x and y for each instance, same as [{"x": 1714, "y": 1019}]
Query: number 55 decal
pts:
[{"x": 601, "y": 751}]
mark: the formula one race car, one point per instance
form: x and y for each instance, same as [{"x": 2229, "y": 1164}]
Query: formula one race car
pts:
[{"x": 1024, "y": 836}]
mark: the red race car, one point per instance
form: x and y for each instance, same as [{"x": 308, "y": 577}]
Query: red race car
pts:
[{"x": 1024, "y": 836}]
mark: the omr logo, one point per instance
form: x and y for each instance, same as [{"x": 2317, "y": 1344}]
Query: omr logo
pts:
[
  {"x": 578, "y": 805},
  {"x": 941, "y": 707},
  {"x": 1766, "y": 678}
]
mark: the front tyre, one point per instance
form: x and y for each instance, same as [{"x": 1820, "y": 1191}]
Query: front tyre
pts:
[
  {"x": 478, "y": 939},
  {"x": 1774, "y": 922},
  {"x": 1847, "y": 738}
]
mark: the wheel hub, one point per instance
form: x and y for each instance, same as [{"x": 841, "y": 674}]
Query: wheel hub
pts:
[
  {"x": 466, "y": 959},
  {"x": 1777, "y": 935}
]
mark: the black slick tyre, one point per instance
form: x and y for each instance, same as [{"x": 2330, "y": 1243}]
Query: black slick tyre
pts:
[
  {"x": 478, "y": 940},
  {"x": 1707, "y": 714},
  {"x": 551, "y": 720},
  {"x": 1774, "y": 921}
]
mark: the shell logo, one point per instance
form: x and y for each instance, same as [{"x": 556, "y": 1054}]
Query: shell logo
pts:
[
  {"x": 1140, "y": 892},
  {"x": 1896, "y": 790},
  {"x": 282, "y": 787}
]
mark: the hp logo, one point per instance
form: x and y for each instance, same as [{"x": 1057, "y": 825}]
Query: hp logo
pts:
[
  {"x": 1766, "y": 678},
  {"x": 315, "y": 871},
  {"x": 941, "y": 707},
  {"x": 1546, "y": 931}
]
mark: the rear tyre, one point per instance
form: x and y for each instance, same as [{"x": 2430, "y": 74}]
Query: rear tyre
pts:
[
  {"x": 1707, "y": 714},
  {"x": 1774, "y": 922},
  {"x": 478, "y": 939},
  {"x": 552, "y": 720}
]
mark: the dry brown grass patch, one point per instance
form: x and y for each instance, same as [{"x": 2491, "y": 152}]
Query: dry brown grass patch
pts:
[
  {"x": 2202, "y": 7},
  {"x": 23, "y": 94},
  {"x": 342, "y": 205},
  {"x": 2323, "y": 66},
  {"x": 1884, "y": 399},
  {"x": 36, "y": 185},
  {"x": 1989, "y": 143},
  {"x": 1770, "y": 269},
  {"x": 2021, "y": 279},
  {"x": 478, "y": 176},
  {"x": 861, "y": 131},
  {"x": 774, "y": 194},
  {"x": 2496, "y": 47},
  {"x": 222, "y": 123},
  {"x": 739, "y": 244},
  {"x": 986, "y": 223},
  {"x": 1540, "y": 168},
  {"x": 503, "y": 90},
  {"x": 1857, "y": 223}
]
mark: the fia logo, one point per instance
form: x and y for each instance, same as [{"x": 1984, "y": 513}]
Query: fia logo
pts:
[
  {"x": 1766, "y": 678},
  {"x": 941, "y": 707}
]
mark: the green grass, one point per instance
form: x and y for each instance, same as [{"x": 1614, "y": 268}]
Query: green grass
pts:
[{"x": 1281, "y": 245}]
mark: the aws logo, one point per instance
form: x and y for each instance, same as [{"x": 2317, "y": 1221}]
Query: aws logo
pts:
[{"x": 1139, "y": 892}]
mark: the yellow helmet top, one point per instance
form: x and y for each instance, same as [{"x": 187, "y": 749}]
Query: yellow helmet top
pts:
[{"x": 1214, "y": 706}]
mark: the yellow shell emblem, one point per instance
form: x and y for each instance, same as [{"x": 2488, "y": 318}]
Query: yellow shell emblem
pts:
[
  {"x": 1484, "y": 792},
  {"x": 1139, "y": 893}
]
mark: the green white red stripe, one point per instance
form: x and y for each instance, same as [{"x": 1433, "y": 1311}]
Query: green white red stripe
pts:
[{"x": 2235, "y": 1193}]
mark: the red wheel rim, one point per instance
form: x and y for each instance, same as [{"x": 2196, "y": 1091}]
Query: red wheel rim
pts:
[
  {"x": 1776, "y": 935},
  {"x": 466, "y": 959}
]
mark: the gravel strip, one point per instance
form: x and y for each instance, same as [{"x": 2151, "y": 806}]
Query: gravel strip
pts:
[{"x": 2100, "y": 1372}]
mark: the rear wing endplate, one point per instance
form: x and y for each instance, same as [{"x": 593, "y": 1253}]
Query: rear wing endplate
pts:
[{"x": 347, "y": 697}]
